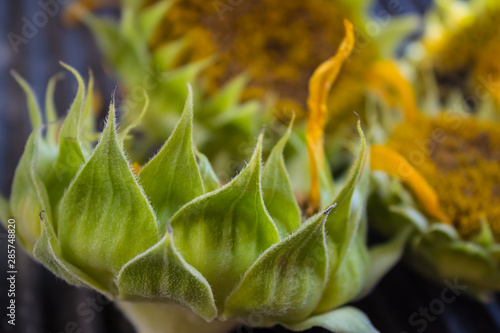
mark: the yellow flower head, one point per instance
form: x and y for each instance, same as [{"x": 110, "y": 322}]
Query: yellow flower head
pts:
[
  {"x": 449, "y": 164},
  {"x": 460, "y": 159}
]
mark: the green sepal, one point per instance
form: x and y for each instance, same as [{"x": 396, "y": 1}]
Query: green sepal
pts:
[
  {"x": 339, "y": 226},
  {"x": 440, "y": 254},
  {"x": 172, "y": 178},
  {"x": 165, "y": 55},
  {"x": 151, "y": 16},
  {"x": 105, "y": 218},
  {"x": 70, "y": 157},
  {"x": 227, "y": 98},
  {"x": 285, "y": 284},
  {"x": 222, "y": 233},
  {"x": 50, "y": 108},
  {"x": 210, "y": 180},
  {"x": 277, "y": 190},
  {"x": 87, "y": 120},
  {"x": 241, "y": 117},
  {"x": 341, "y": 230},
  {"x": 117, "y": 48},
  {"x": 25, "y": 204},
  {"x": 138, "y": 118},
  {"x": 130, "y": 30},
  {"x": 343, "y": 320},
  {"x": 48, "y": 252},
  {"x": 33, "y": 106},
  {"x": 326, "y": 184},
  {"x": 171, "y": 87},
  {"x": 349, "y": 279},
  {"x": 161, "y": 275},
  {"x": 407, "y": 213},
  {"x": 485, "y": 236}
]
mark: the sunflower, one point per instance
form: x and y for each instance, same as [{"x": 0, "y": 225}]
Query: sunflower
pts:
[{"x": 449, "y": 166}]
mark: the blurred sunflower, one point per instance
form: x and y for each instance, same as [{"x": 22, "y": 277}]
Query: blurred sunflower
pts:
[
  {"x": 279, "y": 44},
  {"x": 449, "y": 166},
  {"x": 461, "y": 44}
]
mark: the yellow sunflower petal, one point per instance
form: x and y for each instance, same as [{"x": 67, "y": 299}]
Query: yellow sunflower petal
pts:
[
  {"x": 385, "y": 159},
  {"x": 386, "y": 80},
  {"x": 319, "y": 86}
]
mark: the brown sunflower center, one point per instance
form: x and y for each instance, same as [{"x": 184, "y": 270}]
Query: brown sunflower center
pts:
[
  {"x": 460, "y": 159},
  {"x": 279, "y": 43}
]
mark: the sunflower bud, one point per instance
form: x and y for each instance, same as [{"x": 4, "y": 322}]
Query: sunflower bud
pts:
[{"x": 177, "y": 251}]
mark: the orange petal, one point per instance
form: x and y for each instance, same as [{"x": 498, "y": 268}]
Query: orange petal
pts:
[
  {"x": 385, "y": 159},
  {"x": 386, "y": 80},
  {"x": 319, "y": 86}
]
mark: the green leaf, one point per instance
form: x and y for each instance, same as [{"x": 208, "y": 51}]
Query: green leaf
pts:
[
  {"x": 172, "y": 178},
  {"x": 151, "y": 16},
  {"x": 208, "y": 175},
  {"x": 47, "y": 251},
  {"x": 285, "y": 284},
  {"x": 161, "y": 275},
  {"x": 344, "y": 320},
  {"x": 222, "y": 233},
  {"x": 278, "y": 194},
  {"x": 105, "y": 218},
  {"x": 70, "y": 156},
  {"x": 341, "y": 230}
]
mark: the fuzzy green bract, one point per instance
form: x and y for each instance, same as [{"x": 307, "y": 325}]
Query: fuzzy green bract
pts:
[{"x": 177, "y": 251}]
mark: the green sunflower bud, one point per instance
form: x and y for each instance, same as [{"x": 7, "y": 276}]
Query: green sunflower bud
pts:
[{"x": 177, "y": 251}]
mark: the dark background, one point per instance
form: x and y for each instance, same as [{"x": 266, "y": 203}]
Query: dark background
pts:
[{"x": 47, "y": 304}]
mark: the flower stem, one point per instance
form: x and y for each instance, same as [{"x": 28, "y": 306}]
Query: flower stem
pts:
[{"x": 163, "y": 318}]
